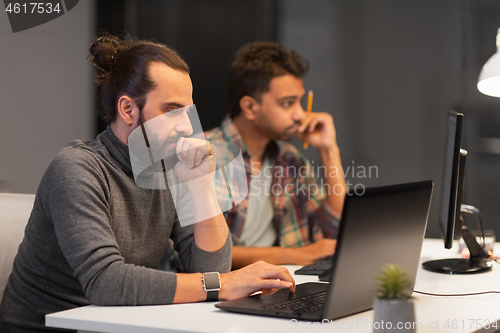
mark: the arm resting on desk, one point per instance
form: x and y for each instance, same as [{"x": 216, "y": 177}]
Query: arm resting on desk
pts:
[
  {"x": 236, "y": 284},
  {"x": 243, "y": 256}
]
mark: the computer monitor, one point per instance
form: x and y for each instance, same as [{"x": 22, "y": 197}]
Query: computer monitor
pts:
[
  {"x": 450, "y": 219},
  {"x": 453, "y": 180}
]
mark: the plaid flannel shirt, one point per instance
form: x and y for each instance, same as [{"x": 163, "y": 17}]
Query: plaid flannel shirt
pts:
[{"x": 301, "y": 213}]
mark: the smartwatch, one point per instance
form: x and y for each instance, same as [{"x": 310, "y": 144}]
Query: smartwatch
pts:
[{"x": 211, "y": 284}]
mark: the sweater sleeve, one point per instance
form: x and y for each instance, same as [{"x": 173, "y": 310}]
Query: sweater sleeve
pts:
[
  {"x": 195, "y": 259},
  {"x": 76, "y": 200}
]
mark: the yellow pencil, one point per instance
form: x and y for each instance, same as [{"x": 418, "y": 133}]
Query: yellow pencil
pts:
[{"x": 309, "y": 109}]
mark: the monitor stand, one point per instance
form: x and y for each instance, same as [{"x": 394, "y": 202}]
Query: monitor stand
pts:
[{"x": 478, "y": 262}]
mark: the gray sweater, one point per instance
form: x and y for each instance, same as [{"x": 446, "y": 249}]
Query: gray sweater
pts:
[{"x": 95, "y": 237}]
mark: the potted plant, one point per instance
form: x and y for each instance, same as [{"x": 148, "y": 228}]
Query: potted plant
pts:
[{"x": 393, "y": 306}]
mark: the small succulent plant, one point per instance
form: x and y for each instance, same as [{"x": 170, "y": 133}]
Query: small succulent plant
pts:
[{"x": 393, "y": 283}]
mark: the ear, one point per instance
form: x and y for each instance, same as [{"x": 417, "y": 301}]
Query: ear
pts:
[
  {"x": 128, "y": 111},
  {"x": 249, "y": 107}
]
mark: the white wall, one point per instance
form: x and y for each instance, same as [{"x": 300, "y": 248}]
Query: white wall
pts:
[{"x": 46, "y": 94}]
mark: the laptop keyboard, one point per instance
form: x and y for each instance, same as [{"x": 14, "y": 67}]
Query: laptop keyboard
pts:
[
  {"x": 318, "y": 266},
  {"x": 308, "y": 303}
]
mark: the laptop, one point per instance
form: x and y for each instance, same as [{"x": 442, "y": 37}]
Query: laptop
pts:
[{"x": 385, "y": 225}]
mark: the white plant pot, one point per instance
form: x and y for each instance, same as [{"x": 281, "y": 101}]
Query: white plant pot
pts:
[{"x": 393, "y": 315}]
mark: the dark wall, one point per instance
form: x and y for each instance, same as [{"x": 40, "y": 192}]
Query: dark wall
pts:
[
  {"x": 387, "y": 70},
  {"x": 205, "y": 33}
]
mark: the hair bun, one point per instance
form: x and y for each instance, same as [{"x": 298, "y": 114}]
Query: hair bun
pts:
[{"x": 104, "y": 52}]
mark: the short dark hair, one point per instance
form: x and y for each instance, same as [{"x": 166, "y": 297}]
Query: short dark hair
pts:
[
  {"x": 123, "y": 69},
  {"x": 253, "y": 68}
]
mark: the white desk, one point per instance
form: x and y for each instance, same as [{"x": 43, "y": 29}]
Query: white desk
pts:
[{"x": 434, "y": 314}]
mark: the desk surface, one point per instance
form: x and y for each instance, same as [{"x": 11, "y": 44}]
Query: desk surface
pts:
[{"x": 433, "y": 314}]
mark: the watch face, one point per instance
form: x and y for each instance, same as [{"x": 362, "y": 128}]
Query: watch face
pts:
[{"x": 211, "y": 280}]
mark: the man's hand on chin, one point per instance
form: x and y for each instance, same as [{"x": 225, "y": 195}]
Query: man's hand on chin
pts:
[
  {"x": 317, "y": 129},
  {"x": 196, "y": 160}
]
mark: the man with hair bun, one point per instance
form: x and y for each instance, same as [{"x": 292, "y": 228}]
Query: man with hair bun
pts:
[
  {"x": 286, "y": 218},
  {"x": 95, "y": 237}
]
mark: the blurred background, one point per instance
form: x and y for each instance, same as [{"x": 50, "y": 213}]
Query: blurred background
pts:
[{"x": 387, "y": 70}]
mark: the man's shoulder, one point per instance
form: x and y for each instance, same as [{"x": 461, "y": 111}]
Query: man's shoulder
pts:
[
  {"x": 74, "y": 165},
  {"x": 79, "y": 148},
  {"x": 76, "y": 153}
]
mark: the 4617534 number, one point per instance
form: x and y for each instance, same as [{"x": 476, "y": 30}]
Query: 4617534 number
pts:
[{"x": 32, "y": 8}]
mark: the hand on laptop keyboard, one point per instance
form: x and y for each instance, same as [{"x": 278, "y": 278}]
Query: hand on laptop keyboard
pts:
[{"x": 255, "y": 277}]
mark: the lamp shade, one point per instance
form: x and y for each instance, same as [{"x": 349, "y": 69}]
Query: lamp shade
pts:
[{"x": 489, "y": 78}]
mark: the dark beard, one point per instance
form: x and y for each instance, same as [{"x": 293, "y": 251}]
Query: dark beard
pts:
[{"x": 171, "y": 160}]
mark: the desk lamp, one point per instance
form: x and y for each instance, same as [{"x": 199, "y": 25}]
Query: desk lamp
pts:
[{"x": 489, "y": 79}]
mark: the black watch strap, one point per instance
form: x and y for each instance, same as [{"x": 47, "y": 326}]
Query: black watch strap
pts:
[
  {"x": 212, "y": 295},
  {"x": 211, "y": 284}
]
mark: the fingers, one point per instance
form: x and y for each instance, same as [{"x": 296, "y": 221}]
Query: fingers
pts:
[
  {"x": 267, "y": 291},
  {"x": 274, "y": 276},
  {"x": 192, "y": 152},
  {"x": 211, "y": 154},
  {"x": 309, "y": 123},
  {"x": 259, "y": 276},
  {"x": 276, "y": 284},
  {"x": 276, "y": 272},
  {"x": 304, "y": 124},
  {"x": 198, "y": 153},
  {"x": 313, "y": 123}
]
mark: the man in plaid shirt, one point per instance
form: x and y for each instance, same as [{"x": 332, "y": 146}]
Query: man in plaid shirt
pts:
[{"x": 287, "y": 217}]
